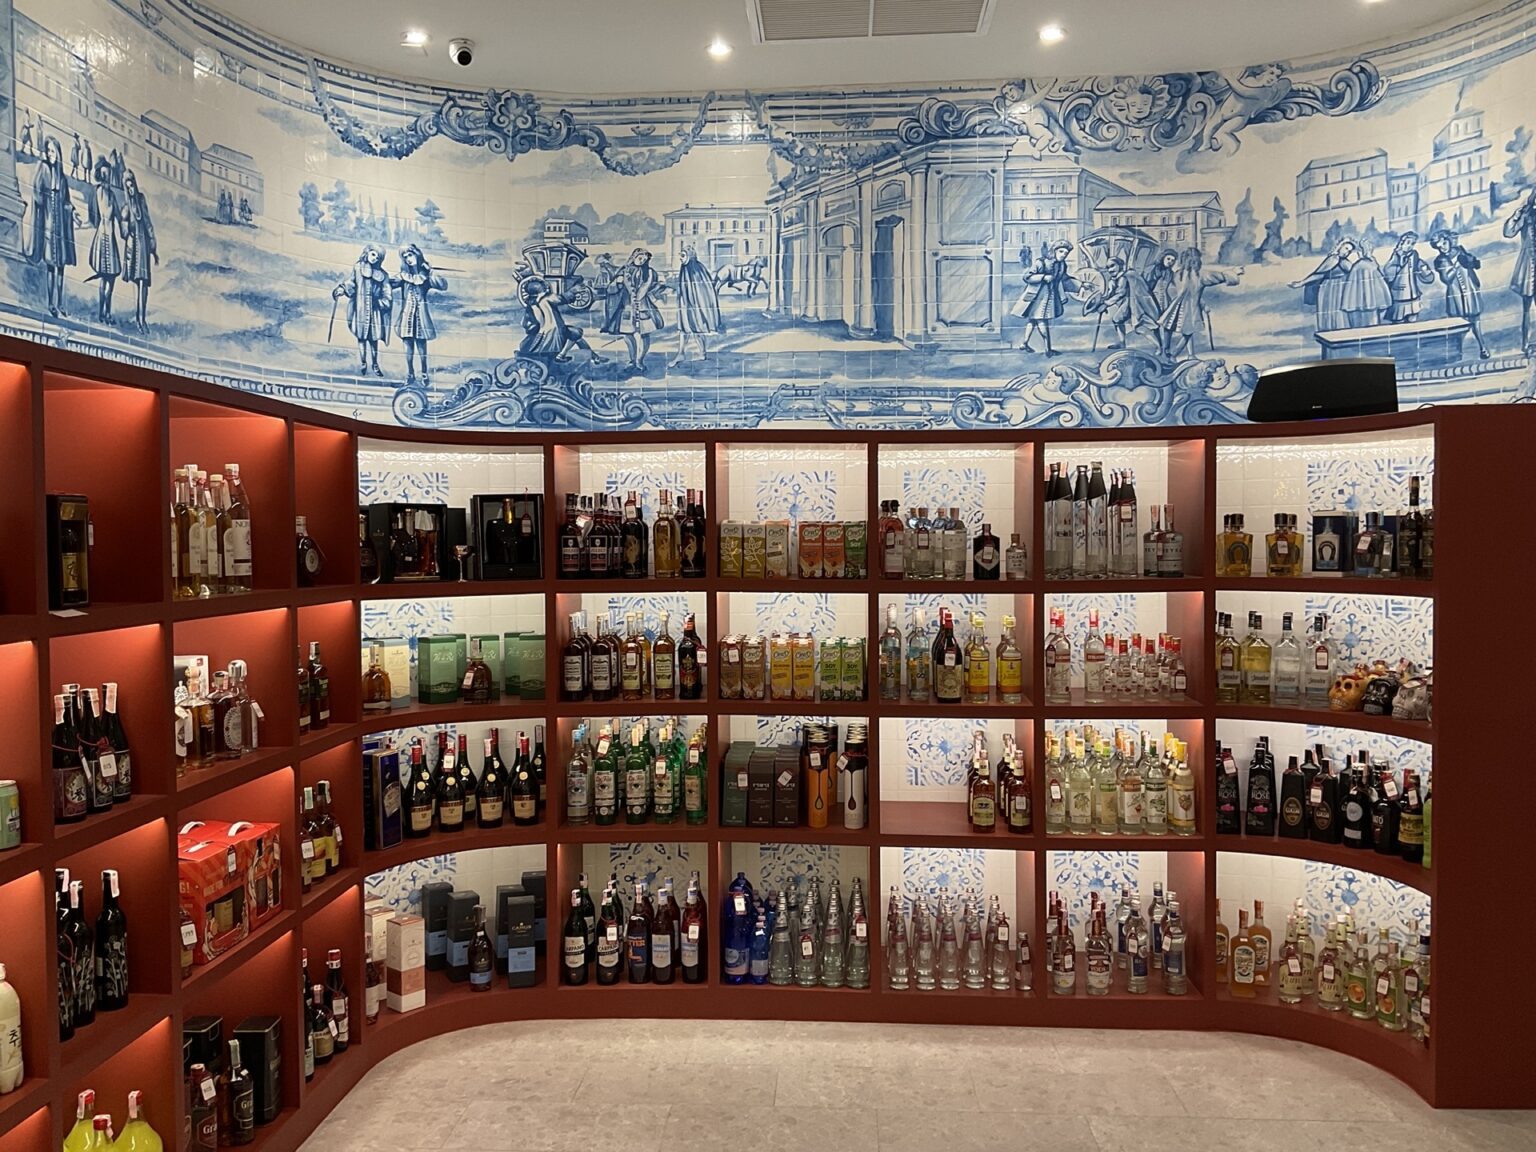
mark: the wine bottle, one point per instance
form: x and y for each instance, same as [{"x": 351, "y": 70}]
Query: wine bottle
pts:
[
  {"x": 609, "y": 947},
  {"x": 525, "y": 797},
  {"x": 84, "y": 952},
  {"x": 482, "y": 956},
  {"x": 492, "y": 791},
  {"x": 322, "y": 1026},
  {"x": 573, "y": 950},
  {"x": 71, "y": 788},
  {"x": 450, "y": 793},
  {"x": 336, "y": 999},
  {"x": 203, "y": 1093},
  {"x": 111, "y": 947}
]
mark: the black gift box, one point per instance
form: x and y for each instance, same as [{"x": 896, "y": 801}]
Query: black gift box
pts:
[
  {"x": 434, "y": 914},
  {"x": 261, "y": 1052},
  {"x": 521, "y": 951},
  {"x": 505, "y": 551},
  {"x": 461, "y": 930},
  {"x": 414, "y": 542},
  {"x": 207, "y": 1036}
]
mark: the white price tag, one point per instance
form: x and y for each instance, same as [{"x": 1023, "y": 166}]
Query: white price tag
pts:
[
  {"x": 703, "y": 657},
  {"x": 1068, "y": 961},
  {"x": 740, "y": 904},
  {"x": 860, "y": 930},
  {"x": 785, "y": 777},
  {"x": 842, "y": 763},
  {"x": 450, "y": 760},
  {"x": 693, "y": 931},
  {"x": 1424, "y": 1006},
  {"x": 107, "y": 765},
  {"x": 807, "y": 947},
  {"x": 1055, "y": 790},
  {"x": 307, "y": 849},
  {"x": 469, "y": 679},
  {"x": 815, "y": 759},
  {"x": 693, "y": 755},
  {"x": 732, "y": 656},
  {"x": 1316, "y": 796},
  {"x": 603, "y": 745},
  {"x": 189, "y": 934},
  {"x": 1328, "y": 973},
  {"x": 208, "y": 1090},
  {"x": 1294, "y": 965},
  {"x": 613, "y": 933},
  {"x": 332, "y": 1028},
  {"x": 1002, "y": 935},
  {"x": 741, "y": 781},
  {"x": 1389, "y": 787},
  {"x": 1383, "y": 985},
  {"x": 950, "y": 660}
]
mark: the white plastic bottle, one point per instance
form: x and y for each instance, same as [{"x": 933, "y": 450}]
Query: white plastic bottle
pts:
[{"x": 11, "y": 1073}]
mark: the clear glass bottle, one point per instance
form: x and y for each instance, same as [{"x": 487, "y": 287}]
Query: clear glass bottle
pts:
[
  {"x": 1175, "y": 941},
  {"x": 1094, "y": 662},
  {"x": 978, "y": 663},
  {"x": 378, "y": 694},
  {"x": 1229, "y": 673},
  {"x": 1016, "y": 559},
  {"x": 1320, "y": 656},
  {"x": 919, "y": 659},
  {"x": 1256, "y": 659},
  {"x": 1058, "y": 525},
  {"x": 1170, "y": 548},
  {"x": 1097, "y": 557},
  {"x": 920, "y": 552},
  {"x": 1151, "y": 544},
  {"x": 1285, "y": 661}
]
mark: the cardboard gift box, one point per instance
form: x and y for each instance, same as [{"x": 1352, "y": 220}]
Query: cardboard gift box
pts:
[{"x": 405, "y": 964}]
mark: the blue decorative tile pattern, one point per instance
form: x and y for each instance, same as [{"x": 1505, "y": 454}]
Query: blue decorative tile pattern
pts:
[
  {"x": 797, "y": 494},
  {"x": 1367, "y": 482},
  {"x": 938, "y": 750},
  {"x": 1095, "y": 251},
  {"x": 1387, "y": 628},
  {"x": 400, "y": 887},
  {"x": 924, "y": 871},
  {"x": 1074, "y": 875},
  {"x": 651, "y": 862},
  {"x": 1373, "y": 900}
]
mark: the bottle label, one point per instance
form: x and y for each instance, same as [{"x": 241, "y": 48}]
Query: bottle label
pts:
[
  {"x": 662, "y": 669},
  {"x": 661, "y": 951},
  {"x": 491, "y": 808},
  {"x": 1261, "y": 954},
  {"x": 573, "y": 675},
  {"x": 693, "y": 793},
  {"x": 690, "y": 947},
  {"x": 602, "y": 673},
  {"x": 575, "y": 952},
  {"x": 480, "y": 977},
  {"x": 1243, "y": 964}
]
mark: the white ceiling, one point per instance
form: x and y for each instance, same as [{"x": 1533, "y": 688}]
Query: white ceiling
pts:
[{"x": 608, "y": 46}]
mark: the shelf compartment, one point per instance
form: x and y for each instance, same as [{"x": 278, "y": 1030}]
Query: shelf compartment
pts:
[
  {"x": 1393, "y": 868},
  {"x": 1325, "y": 585},
  {"x": 325, "y": 464},
  {"x": 216, "y": 434},
  {"x": 205, "y": 977},
  {"x": 470, "y": 840},
  {"x": 136, "y": 659},
  {"x": 1421, "y": 730},
  {"x": 942, "y": 824},
  {"x": 19, "y": 498},
  {"x": 135, "y": 1048},
  {"x": 121, "y": 476},
  {"x": 28, "y": 953}
]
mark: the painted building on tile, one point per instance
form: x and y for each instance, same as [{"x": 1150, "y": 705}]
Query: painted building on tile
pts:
[{"x": 896, "y": 233}]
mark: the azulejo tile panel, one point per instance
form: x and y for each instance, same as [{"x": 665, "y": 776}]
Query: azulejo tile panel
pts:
[{"x": 210, "y": 201}]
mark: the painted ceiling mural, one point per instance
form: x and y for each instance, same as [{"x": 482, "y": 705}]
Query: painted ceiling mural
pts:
[{"x": 184, "y": 192}]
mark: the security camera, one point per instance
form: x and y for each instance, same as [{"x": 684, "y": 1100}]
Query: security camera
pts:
[{"x": 461, "y": 51}]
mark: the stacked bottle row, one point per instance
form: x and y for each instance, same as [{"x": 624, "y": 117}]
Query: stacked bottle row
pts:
[
  {"x": 632, "y": 666},
  {"x": 1111, "y": 787},
  {"x": 1140, "y": 946},
  {"x": 792, "y": 666},
  {"x": 1004, "y": 800},
  {"x": 1387, "y": 980},
  {"x": 939, "y": 547},
  {"x": 1366, "y": 806},
  {"x": 652, "y": 942},
  {"x": 219, "y": 719},
  {"x": 796, "y": 938},
  {"x": 1122, "y": 669},
  {"x": 320, "y": 838},
  {"x": 1312, "y": 672},
  {"x": 947, "y": 945},
  {"x": 210, "y": 533},
  {"x": 92, "y": 1131},
  {"x": 930, "y": 665},
  {"x": 448, "y": 797},
  {"x": 601, "y": 538},
  {"x": 92, "y": 962},
  {"x": 1092, "y": 529},
  {"x": 327, "y": 1012},
  {"x": 1382, "y": 545},
  {"x": 232, "y": 1087},
  {"x": 661, "y": 777},
  {"x": 91, "y": 762}
]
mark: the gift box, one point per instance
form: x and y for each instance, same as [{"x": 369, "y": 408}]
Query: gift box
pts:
[
  {"x": 405, "y": 967},
  {"x": 210, "y": 887}
]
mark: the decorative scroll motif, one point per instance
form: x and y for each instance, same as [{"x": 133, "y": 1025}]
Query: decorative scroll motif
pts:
[
  {"x": 510, "y": 124},
  {"x": 522, "y": 393},
  {"x": 1203, "y": 111},
  {"x": 811, "y": 157}
]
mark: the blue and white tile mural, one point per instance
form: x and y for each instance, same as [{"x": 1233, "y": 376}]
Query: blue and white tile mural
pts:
[{"x": 180, "y": 191}]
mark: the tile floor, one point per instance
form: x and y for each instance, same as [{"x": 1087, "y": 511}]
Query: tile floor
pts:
[{"x": 785, "y": 1087}]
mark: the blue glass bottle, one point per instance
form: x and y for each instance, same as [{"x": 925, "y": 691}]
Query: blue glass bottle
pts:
[
  {"x": 758, "y": 964},
  {"x": 736, "y": 940}
]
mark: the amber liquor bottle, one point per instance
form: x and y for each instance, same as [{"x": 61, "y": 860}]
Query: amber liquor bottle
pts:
[
  {"x": 524, "y": 788},
  {"x": 476, "y": 688},
  {"x": 319, "y": 689}
]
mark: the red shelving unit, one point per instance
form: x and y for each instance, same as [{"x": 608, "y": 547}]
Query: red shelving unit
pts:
[{"x": 140, "y": 424}]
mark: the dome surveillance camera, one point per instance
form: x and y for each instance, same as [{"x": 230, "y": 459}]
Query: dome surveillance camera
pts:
[{"x": 461, "y": 51}]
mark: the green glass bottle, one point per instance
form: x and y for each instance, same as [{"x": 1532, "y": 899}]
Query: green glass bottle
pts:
[
  {"x": 695, "y": 782},
  {"x": 605, "y": 780},
  {"x": 637, "y": 778}
]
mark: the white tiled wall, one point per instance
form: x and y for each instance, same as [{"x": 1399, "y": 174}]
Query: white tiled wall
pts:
[
  {"x": 794, "y": 866},
  {"x": 1387, "y": 626},
  {"x": 438, "y": 615},
  {"x": 1149, "y": 463},
  {"x": 444, "y": 473},
  {"x": 924, "y": 871},
  {"x": 1359, "y": 473},
  {"x": 797, "y": 482},
  {"x": 822, "y": 614},
  {"x": 619, "y": 470},
  {"x": 611, "y": 608},
  {"x": 1123, "y": 613},
  {"x": 926, "y": 758},
  {"x": 981, "y": 485},
  {"x": 1325, "y": 890},
  {"x": 1074, "y": 875},
  {"x": 648, "y": 861},
  {"x": 481, "y": 870}
]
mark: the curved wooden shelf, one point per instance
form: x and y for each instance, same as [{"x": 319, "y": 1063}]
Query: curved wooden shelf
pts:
[
  {"x": 1393, "y": 868},
  {"x": 1474, "y": 446}
]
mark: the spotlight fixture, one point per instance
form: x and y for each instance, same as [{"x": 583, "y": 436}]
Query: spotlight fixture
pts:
[
  {"x": 414, "y": 38},
  {"x": 719, "y": 49},
  {"x": 1052, "y": 33}
]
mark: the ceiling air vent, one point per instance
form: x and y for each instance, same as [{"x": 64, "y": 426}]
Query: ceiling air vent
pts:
[{"x": 780, "y": 20}]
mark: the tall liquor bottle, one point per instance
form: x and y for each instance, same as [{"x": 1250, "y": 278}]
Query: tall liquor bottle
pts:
[
  {"x": 1094, "y": 662},
  {"x": 71, "y": 786},
  {"x": 948, "y": 663},
  {"x": 523, "y": 786},
  {"x": 986, "y": 555},
  {"x": 978, "y": 663},
  {"x": 322, "y": 1025},
  {"x": 919, "y": 659},
  {"x": 336, "y": 999},
  {"x": 1259, "y": 815},
  {"x": 575, "y": 661},
  {"x": 1170, "y": 547},
  {"x": 1242, "y": 964},
  {"x": 1293, "y": 803},
  {"x": 635, "y": 546},
  {"x": 1410, "y": 820},
  {"x": 891, "y": 536},
  {"x": 1010, "y": 664},
  {"x": 1229, "y": 674},
  {"x": 236, "y": 522},
  {"x": 666, "y": 539},
  {"x": 111, "y": 947},
  {"x": 1357, "y": 805},
  {"x": 1098, "y": 523},
  {"x": 319, "y": 689},
  {"x": 692, "y": 659},
  {"x": 664, "y": 661},
  {"x": 1256, "y": 660}
]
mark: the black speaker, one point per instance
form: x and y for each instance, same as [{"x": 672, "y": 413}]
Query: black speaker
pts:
[{"x": 1325, "y": 390}]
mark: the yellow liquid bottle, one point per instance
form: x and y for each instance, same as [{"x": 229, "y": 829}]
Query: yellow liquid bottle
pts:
[
  {"x": 80, "y": 1136},
  {"x": 137, "y": 1135}
]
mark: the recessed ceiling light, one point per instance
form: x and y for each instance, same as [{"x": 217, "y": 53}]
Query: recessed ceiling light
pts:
[
  {"x": 1052, "y": 33},
  {"x": 719, "y": 49},
  {"x": 414, "y": 38}
]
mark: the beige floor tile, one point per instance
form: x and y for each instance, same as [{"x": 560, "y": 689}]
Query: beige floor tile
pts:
[
  {"x": 1132, "y": 1134},
  {"x": 929, "y": 1130},
  {"x": 1259, "y": 1097},
  {"x": 831, "y": 1086},
  {"x": 770, "y": 1129},
  {"x": 1147, "y": 1093}
]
